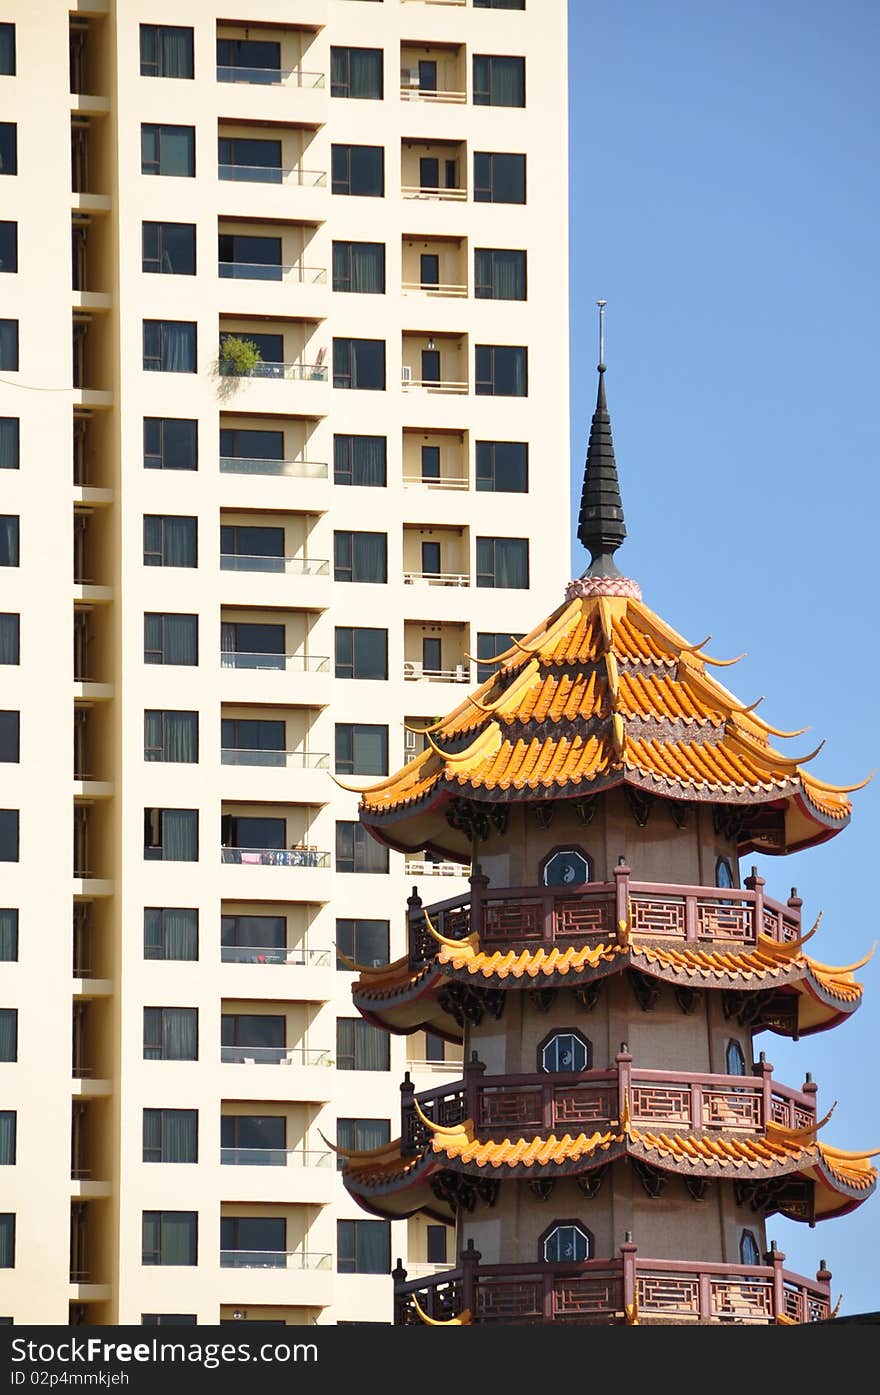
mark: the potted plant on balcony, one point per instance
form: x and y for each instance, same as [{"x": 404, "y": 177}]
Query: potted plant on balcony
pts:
[{"x": 238, "y": 357}]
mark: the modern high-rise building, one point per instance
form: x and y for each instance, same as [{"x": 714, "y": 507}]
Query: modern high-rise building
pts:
[{"x": 283, "y": 441}]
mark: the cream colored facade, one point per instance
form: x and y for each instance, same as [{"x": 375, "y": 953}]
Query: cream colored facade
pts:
[{"x": 79, "y": 1185}]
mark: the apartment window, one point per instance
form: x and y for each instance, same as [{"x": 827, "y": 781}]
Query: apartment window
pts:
[
  {"x": 357, "y": 851},
  {"x": 171, "y": 736},
  {"x": 170, "y": 540},
  {"x": 8, "y": 935},
  {"x": 358, "y": 170},
  {"x": 9, "y": 443},
  {"x": 265, "y": 738},
  {"x": 246, "y": 548},
  {"x": 169, "y": 346},
  {"x": 7, "y": 50},
  {"x": 360, "y": 460},
  {"x": 502, "y": 370},
  {"x": 9, "y": 247},
  {"x": 7, "y": 1240},
  {"x": 243, "y": 831},
  {"x": 8, "y": 147},
  {"x": 171, "y": 1034},
  {"x": 270, "y": 347},
  {"x": 171, "y": 835},
  {"x": 7, "y": 1137},
  {"x": 361, "y": 1135},
  {"x": 249, "y": 160},
  {"x": 170, "y": 639},
  {"x": 171, "y": 443},
  {"x": 171, "y": 1135},
  {"x": 248, "y": 60},
  {"x": 357, "y": 266},
  {"x": 262, "y": 1238},
  {"x": 168, "y": 150},
  {"x": 435, "y": 1047},
  {"x": 252, "y": 646},
  {"x": 360, "y": 557},
  {"x": 356, "y": 72},
  {"x": 242, "y": 933},
  {"x": 9, "y": 638},
  {"x": 361, "y": 748},
  {"x": 253, "y": 1139},
  {"x": 499, "y": 4},
  {"x": 242, "y": 257},
  {"x": 499, "y": 178},
  {"x": 169, "y": 248},
  {"x": 363, "y": 942},
  {"x": 360, "y": 1045},
  {"x": 8, "y": 1034},
  {"x": 499, "y": 274},
  {"x": 170, "y": 1237},
  {"x": 9, "y": 550},
  {"x": 499, "y": 81},
  {"x": 9, "y": 737},
  {"x": 171, "y": 932},
  {"x": 436, "y": 1238},
  {"x": 9, "y": 346},
  {"x": 168, "y": 1319},
  {"x": 359, "y": 363},
  {"x": 503, "y": 562},
  {"x": 8, "y": 835},
  {"x": 242, "y": 444},
  {"x": 490, "y": 644},
  {"x": 166, "y": 51},
  {"x": 502, "y": 467},
  {"x": 361, "y": 653},
  {"x": 254, "y": 1037},
  {"x": 363, "y": 1247}
]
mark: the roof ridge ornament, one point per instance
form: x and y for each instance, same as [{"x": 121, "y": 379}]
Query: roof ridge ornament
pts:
[{"x": 601, "y": 527}]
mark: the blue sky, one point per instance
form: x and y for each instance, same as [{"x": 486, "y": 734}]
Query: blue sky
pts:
[{"x": 724, "y": 201}]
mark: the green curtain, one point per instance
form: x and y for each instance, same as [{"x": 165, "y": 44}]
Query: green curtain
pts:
[
  {"x": 175, "y": 52},
  {"x": 511, "y": 563},
  {"x": 8, "y": 1034},
  {"x": 9, "y": 645},
  {"x": 370, "y": 557},
  {"x": 8, "y": 443},
  {"x": 368, "y": 267},
  {"x": 179, "y": 1135},
  {"x": 177, "y": 150},
  {"x": 8, "y": 935},
  {"x": 9, "y": 344},
  {"x": 178, "y": 347},
  {"x": 181, "y": 736},
  {"x": 369, "y": 460},
  {"x": 180, "y": 639},
  {"x": 373, "y": 1247},
  {"x": 7, "y": 1137},
  {"x": 507, "y": 82},
  {"x": 180, "y": 1034},
  {"x": 365, "y": 72},
  {"x": 178, "y": 1237},
  {"x": 8, "y": 540},
  {"x": 180, "y": 835},
  {"x": 7, "y": 1240},
  {"x": 370, "y": 1046},
  {"x": 181, "y": 933}
]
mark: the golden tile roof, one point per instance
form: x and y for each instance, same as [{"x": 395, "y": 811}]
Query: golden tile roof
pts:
[{"x": 600, "y": 694}]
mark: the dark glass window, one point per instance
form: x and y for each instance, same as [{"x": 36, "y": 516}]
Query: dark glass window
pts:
[
  {"x": 502, "y": 370},
  {"x": 358, "y": 170},
  {"x": 249, "y": 160},
  {"x": 262, "y": 1236},
  {"x": 503, "y": 562},
  {"x": 361, "y": 748},
  {"x": 359, "y": 363},
  {"x": 263, "y": 735},
  {"x": 8, "y": 1034},
  {"x": 171, "y": 1135},
  {"x": 499, "y": 81},
  {"x": 723, "y": 873},
  {"x": 245, "y": 831},
  {"x": 8, "y": 246},
  {"x": 168, "y": 1320},
  {"x": 357, "y": 850},
  {"x": 171, "y": 443},
  {"x": 171, "y": 1034},
  {"x": 502, "y": 467},
  {"x": 360, "y": 1045},
  {"x": 7, "y": 1240},
  {"x": 361, "y": 1135},
  {"x": 253, "y": 1139},
  {"x": 499, "y": 177},
  {"x": 171, "y": 835},
  {"x": 251, "y": 646},
  {"x": 245, "y": 444},
  {"x": 435, "y": 1047},
  {"x": 266, "y": 933},
  {"x": 8, "y": 835},
  {"x": 169, "y": 248},
  {"x": 363, "y": 1247},
  {"x": 171, "y": 736},
  {"x": 429, "y": 269},
  {"x": 8, "y": 1130},
  {"x": 430, "y": 462},
  {"x": 7, "y": 50},
  {"x": 170, "y": 1237},
  {"x": 363, "y": 941},
  {"x": 252, "y": 1030},
  {"x": 9, "y": 345},
  {"x": 499, "y": 4},
  {"x": 359, "y": 266},
  {"x": 171, "y": 932},
  {"x": 360, "y": 557},
  {"x": 9, "y": 443},
  {"x": 169, "y": 346},
  {"x": 271, "y": 347},
  {"x": 9, "y": 546},
  {"x": 437, "y": 1236},
  {"x": 9, "y": 638},
  {"x": 8, "y": 147},
  {"x": 8, "y": 935},
  {"x": 248, "y": 60},
  {"x": 361, "y": 653},
  {"x": 566, "y": 1051},
  {"x": 171, "y": 639},
  {"x": 499, "y": 274},
  {"x": 748, "y": 1249},
  {"x": 247, "y": 258},
  {"x": 166, "y": 51},
  {"x": 360, "y": 460},
  {"x": 168, "y": 150},
  {"x": 736, "y": 1061},
  {"x": 170, "y": 540},
  {"x": 9, "y": 737},
  {"x": 567, "y": 1244},
  {"x": 356, "y": 72},
  {"x": 244, "y": 547}
]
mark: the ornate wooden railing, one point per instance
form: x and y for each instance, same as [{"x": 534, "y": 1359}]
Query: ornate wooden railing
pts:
[
  {"x": 532, "y": 916},
  {"x": 613, "y": 1290},
  {"x": 541, "y": 1103}
]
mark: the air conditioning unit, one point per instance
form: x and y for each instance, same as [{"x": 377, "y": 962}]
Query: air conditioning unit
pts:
[
  {"x": 412, "y": 668},
  {"x": 460, "y": 673},
  {"x": 409, "y": 743},
  {"x": 409, "y": 77},
  {"x": 407, "y": 373}
]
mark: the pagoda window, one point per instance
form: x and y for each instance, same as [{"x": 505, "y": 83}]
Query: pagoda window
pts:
[
  {"x": 565, "y": 1051},
  {"x": 567, "y": 867},
  {"x": 567, "y": 1242},
  {"x": 736, "y": 1061},
  {"x": 723, "y": 873},
  {"x": 748, "y": 1249}
]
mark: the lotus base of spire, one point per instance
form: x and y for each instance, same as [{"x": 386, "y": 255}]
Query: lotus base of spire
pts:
[{"x": 587, "y": 586}]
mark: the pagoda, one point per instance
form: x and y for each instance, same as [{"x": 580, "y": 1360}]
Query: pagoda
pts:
[{"x": 617, "y": 1144}]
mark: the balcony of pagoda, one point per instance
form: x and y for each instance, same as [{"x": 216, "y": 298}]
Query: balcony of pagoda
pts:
[
  {"x": 537, "y": 1105},
  {"x": 627, "y": 1290},
  {"x": 531, "y": 917}
]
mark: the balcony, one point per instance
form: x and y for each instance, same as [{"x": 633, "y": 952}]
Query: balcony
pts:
[
  {"x": 447, "y": 385},
  {"x": 264, "y": 562},
  {"x": 296, "y": 372},
  {"x": 276, "y": 1157},
  {"x": 427, "y": 867},
  {"x": 415, "y": 671},
  {"x": 292, "y": 469},
  {"x": 276, "y": 857},
  {"x": 294, "y": 273},
  {"x": 275, "y": 954},
  {"x": 433, "y": 73},
  {"x": 274, "y": 1056},
  {"x": 436, "y": 578},
  {"x": 294, "y": 175},
  {"x": 274, "y": 1259},
  {"x": 291, "y": 760},
  {"x": 270, "y": 77},
  {"x": 290, "y": 663}
]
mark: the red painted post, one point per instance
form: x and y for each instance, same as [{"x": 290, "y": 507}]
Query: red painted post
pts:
[
  {"x": 690, "y": 918},
  {"x": 473, "y": 1074},
  {"x": 704, "y": 1299},
  {"x": 823, "y": 1279},
  {"x": 621, "y": 898},
  {"x": 756, "y": 884},
  {"x": 810, "y": 1088},
  {"x": 548, "y": 919},
  {"x": 628, "y": 1252},
  {"x": 777, "y": 1259},
  {"x": 548, "y": 1295},
  {"x": 696, "y": 1094},
  {"x": 478, "y": 884},
  {"x": 765, "y": 1070},
  {"x": 470, "y": 1258},
  {"x": 624, "y": 1078},
  {"x": 794, "y": 904}
]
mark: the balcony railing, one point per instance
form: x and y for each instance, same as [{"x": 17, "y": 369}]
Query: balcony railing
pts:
[
  {"x": 269, "y": 77},
  {"x": 411, "y": 92},
  {"x": 275, "y": 1157},
  {"x": 272, "y": 271},
  {"x": 413, "y": 670},
  {"x": 437, "y": 578},
  {"x": 281, "y": 372},
  {"x": 296, "y": 469},
  {"x": 273, "y": 1259},
  {"x": 298, "y": 760},
  {"x": 419, "y": 191},
  {"x": 276, "y": 857},
  {"x": 273, "y": 1056},
  {"x": 442, "y": 385},
  {"x": 436, "y": 482},
  {"x": 601, "y": 1291},
  {"x": 273, "y": 174},
  {"x": 293, "y": 663},
  {"x": 419, "y": 867},
  {"x": 293, "y": 566},
  {"x": 275, "y": 954},
  {"x": 439, "y": 288}
]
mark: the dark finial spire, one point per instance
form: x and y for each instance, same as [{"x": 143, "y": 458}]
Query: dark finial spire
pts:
[{"x": 601, "y": 528}]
